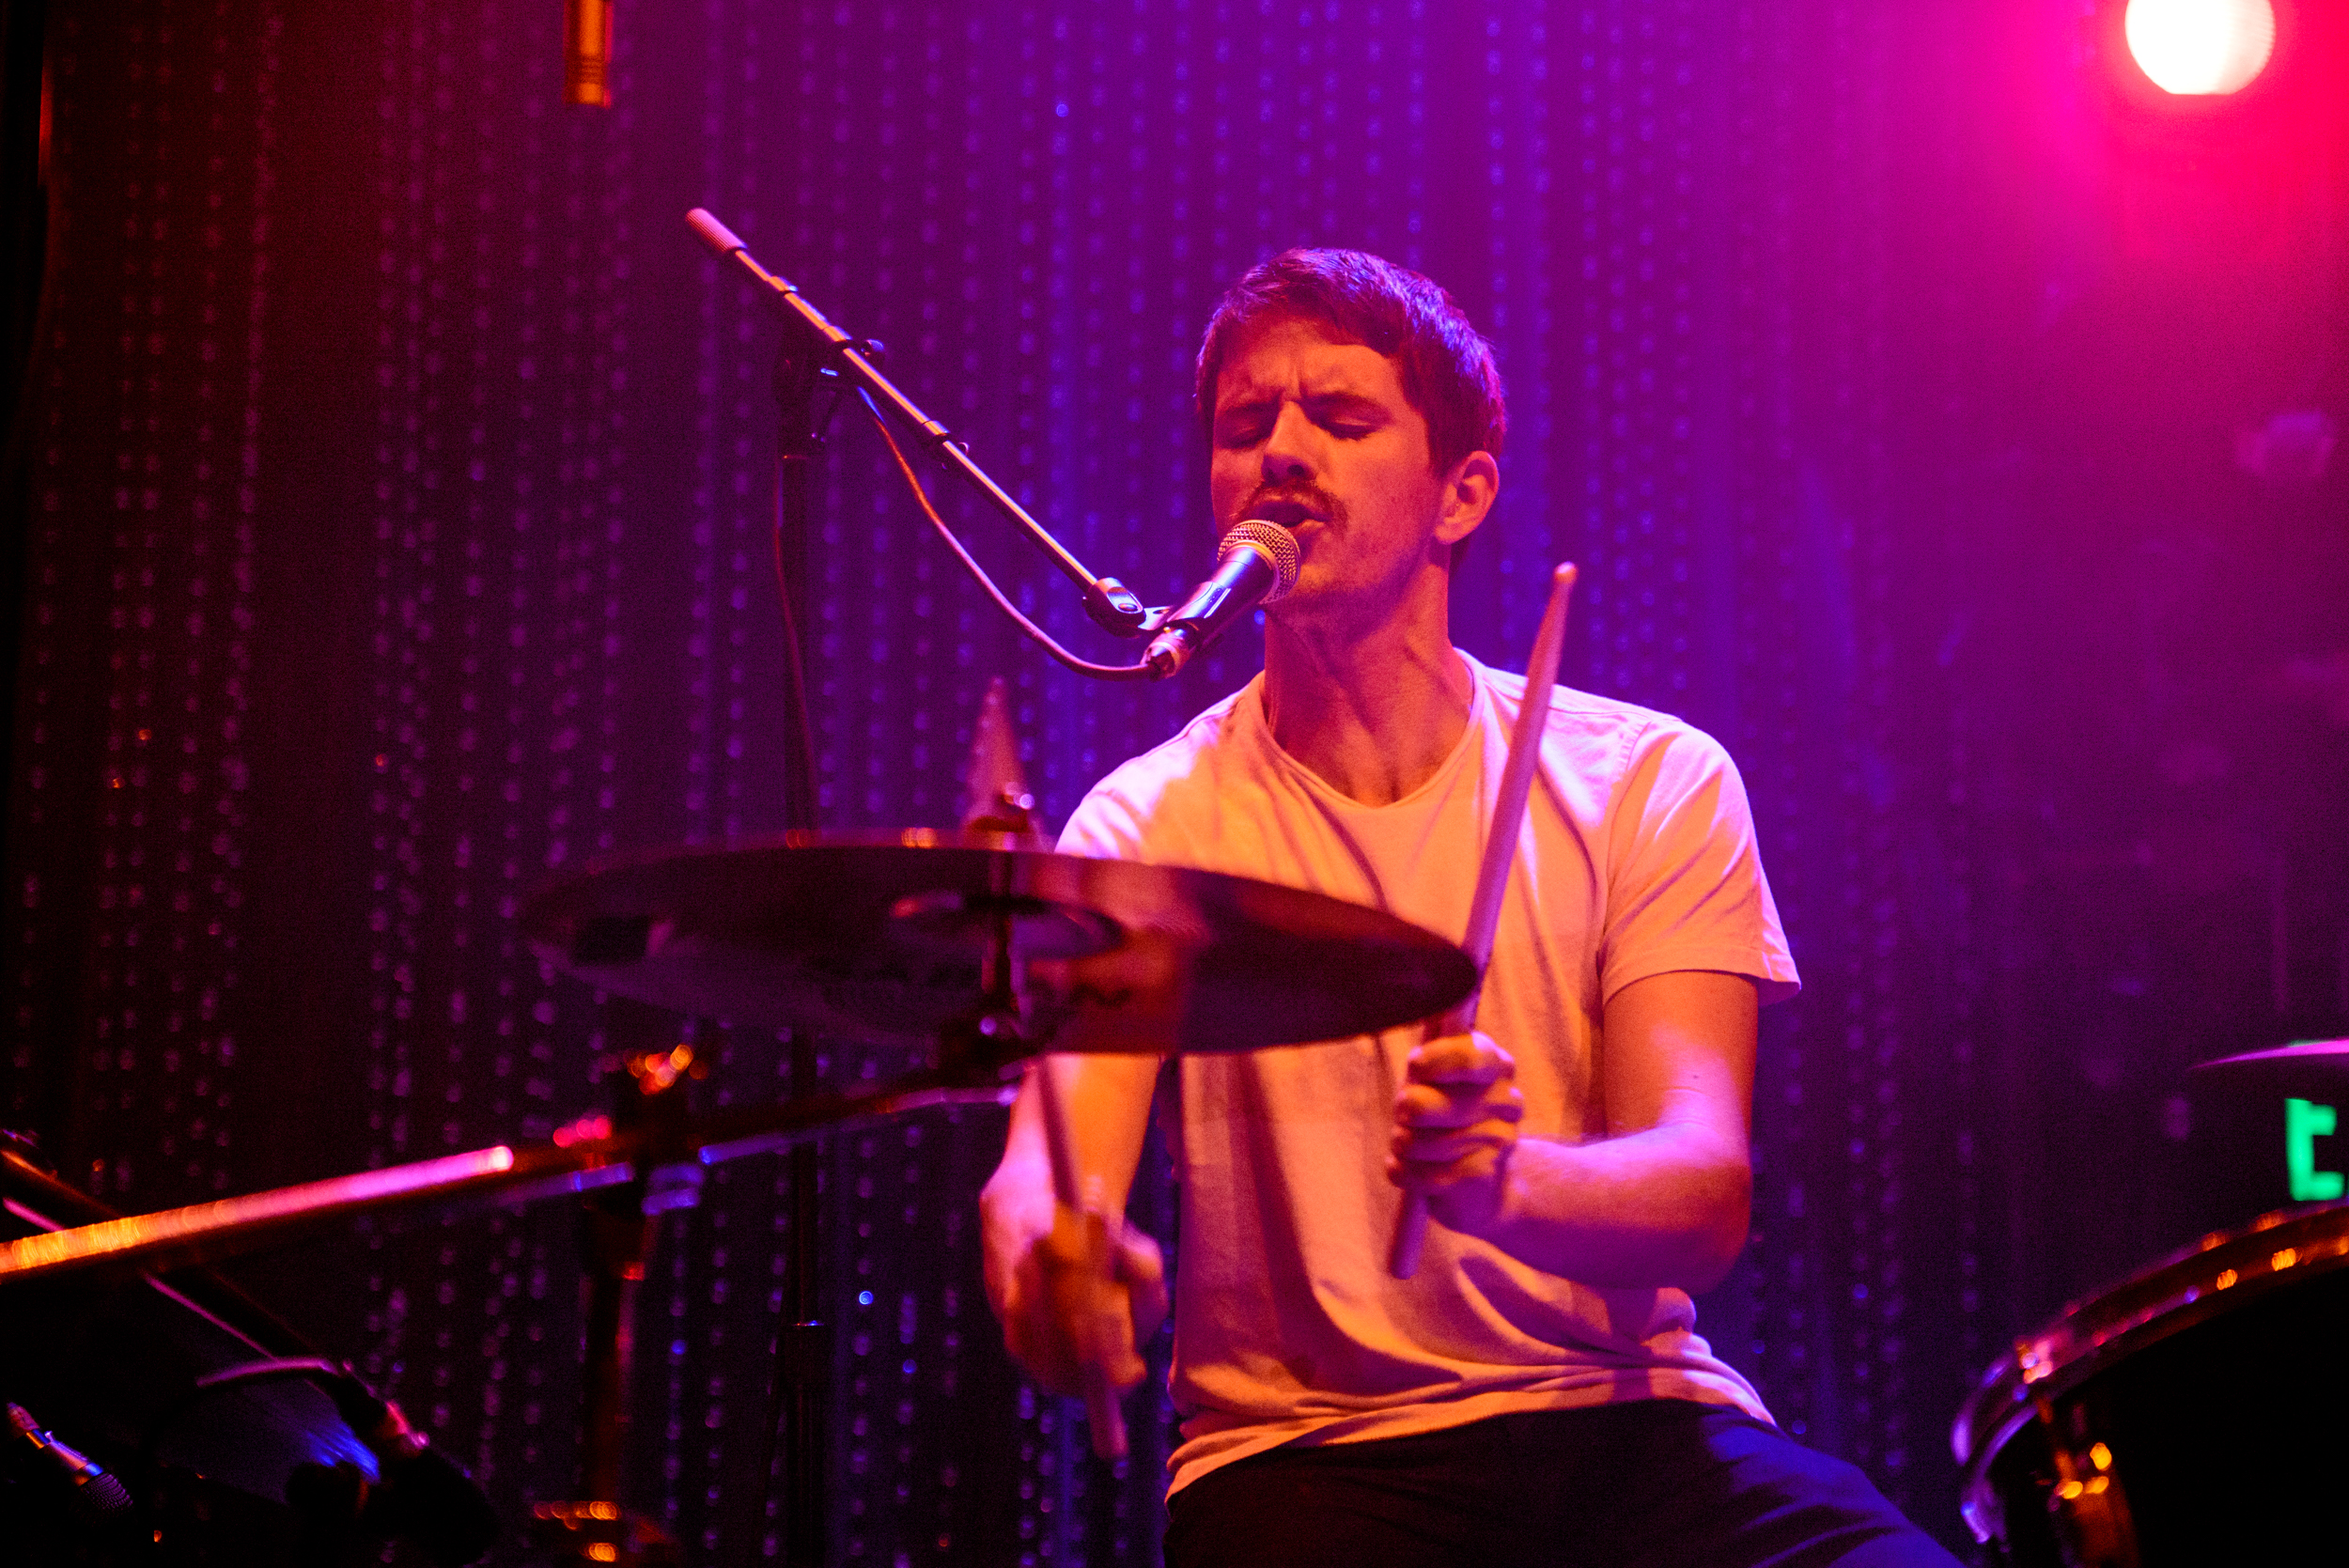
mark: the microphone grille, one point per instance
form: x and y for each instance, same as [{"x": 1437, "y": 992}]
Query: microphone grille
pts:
[
  {"x": 101, "y": 1497},
  {"x": 1276, "y": 542}
]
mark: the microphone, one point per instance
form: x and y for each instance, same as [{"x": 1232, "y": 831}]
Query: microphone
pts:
[
  {"x": 1255, "y": 563},
  {"x": 98, "y": 1498}
]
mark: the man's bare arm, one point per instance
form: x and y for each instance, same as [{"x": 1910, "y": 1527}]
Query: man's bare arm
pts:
[
  {"x": 1041, "y": 1298},
  {"x": 1664, "y": 1200}
]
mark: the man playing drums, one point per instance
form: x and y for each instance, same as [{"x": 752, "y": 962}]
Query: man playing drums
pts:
[{"x": 1536, "y": 1394}]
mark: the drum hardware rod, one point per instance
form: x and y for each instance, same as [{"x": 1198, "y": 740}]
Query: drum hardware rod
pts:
[
  {"x": 35, "y": 1194},
  {"x": 617, "y": 1228},
  {"x": 587, "y": 1155},
  {"x": 2090, "y": 1509}
]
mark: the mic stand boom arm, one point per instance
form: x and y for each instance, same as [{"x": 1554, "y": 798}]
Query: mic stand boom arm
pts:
[{"x": 1112, "y": 606}]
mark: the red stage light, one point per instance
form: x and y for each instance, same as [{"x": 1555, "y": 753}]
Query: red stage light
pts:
[{"x": 2200, "y": 46}]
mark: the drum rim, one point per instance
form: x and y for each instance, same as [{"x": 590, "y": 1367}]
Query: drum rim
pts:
[{"x": 2222, "y": 1273}]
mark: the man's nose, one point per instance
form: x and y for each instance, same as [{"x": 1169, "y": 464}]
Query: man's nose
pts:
[{"x": 1289, "y": 450}]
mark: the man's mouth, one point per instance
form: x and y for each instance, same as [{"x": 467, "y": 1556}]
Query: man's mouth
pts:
[{"x": 1288, "y": 513}]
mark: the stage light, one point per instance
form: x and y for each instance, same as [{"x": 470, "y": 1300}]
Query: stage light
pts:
[{"x": 2200, "y": 46}]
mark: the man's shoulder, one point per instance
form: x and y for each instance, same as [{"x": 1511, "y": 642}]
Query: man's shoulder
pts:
[
  {"x": 1199, "y": 744},
  {"x": 1117, "y": 813},
  {"x": 1593, "y": 731}
]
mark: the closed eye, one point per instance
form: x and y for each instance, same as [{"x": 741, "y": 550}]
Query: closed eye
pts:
[
  {"x": 1345, "y": 415},
  {"x": 1242, "y": 428}
]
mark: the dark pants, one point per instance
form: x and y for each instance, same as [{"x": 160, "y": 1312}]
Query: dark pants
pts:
[{"x": 1639, "y": 1484}]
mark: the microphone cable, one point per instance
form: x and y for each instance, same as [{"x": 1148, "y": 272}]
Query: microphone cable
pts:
[{"x": 1035, "y": 633}]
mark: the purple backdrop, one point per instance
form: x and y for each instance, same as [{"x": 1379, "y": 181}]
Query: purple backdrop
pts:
[{"x": 403, "y": 476}]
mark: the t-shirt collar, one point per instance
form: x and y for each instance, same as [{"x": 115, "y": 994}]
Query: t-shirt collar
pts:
[{"x": 1252, "y": 709}]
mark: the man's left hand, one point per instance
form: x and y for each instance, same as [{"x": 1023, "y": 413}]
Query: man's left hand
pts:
[{"x": 1455, "y": 1126}]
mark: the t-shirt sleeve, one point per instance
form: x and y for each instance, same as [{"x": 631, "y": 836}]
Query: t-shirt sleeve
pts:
[
  {"x": 1685, "y": 889},
  {"x": 1104, "y": 826}
]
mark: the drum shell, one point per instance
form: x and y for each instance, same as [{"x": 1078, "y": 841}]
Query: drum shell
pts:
[{"x": 2220, "y": 1440}]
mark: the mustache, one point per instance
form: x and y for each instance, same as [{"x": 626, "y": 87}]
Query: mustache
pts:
[{"x": 1297, "y": 494}]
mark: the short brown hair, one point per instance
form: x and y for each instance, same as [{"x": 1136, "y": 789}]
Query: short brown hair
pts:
[{"x": 1449, "y": 373}]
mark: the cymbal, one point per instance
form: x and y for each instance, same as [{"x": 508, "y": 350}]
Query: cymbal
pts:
[
  {"x": 884, "y": 935},
  {"x": 2316, "y": 1053}
]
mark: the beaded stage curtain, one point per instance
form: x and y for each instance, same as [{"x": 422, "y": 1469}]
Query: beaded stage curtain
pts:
[{"x": 401, "y": 538}]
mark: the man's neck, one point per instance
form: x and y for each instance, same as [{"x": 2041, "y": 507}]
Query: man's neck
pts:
[{"x": 1372, "y": 713}]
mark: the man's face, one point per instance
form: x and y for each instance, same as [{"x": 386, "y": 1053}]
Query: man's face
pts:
[{"x": 1317, "y": 436}]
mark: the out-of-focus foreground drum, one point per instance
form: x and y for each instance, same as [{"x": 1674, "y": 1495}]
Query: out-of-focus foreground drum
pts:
[{"x": 2194, "y": 1414}]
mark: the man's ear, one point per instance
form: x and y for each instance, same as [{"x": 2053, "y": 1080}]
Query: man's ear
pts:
[{"x": 1469, "y": 493}]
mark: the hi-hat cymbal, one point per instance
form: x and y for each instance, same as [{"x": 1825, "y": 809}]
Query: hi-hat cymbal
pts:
[{"x": 884, "y": 936}]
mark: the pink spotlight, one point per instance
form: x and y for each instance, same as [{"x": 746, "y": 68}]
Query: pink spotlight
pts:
[{"x": 2200, "y": 46}]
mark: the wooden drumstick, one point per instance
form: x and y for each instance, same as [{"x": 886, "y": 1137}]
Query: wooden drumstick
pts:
[
  {"x": 1087, "y": 1238},
  {"x": 1492, "y": 875}
]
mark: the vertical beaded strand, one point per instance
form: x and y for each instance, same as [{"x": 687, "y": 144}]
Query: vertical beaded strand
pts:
[
  {"x": 1417, "y": 104},
  {"x": 723, "y": 478},
  {"x": 554, "y": 1078},
  {"x": 1966, "y": 786},
  {"x": 468, "y": 969},
  {"x": 120, "y": 897},
  {"x": 173, "y": 928},
  {"x": 1522, "y": 536},
  {"x": 1602, "y": 414},
  {"x": 437, "y": 1052},
  {"x": 1073, "y": 479},
  {"x": 1672, "y": 279},
  {"x": 399, "y": 375},
  {"x": 1889, "y": 1444},
  {"x": 1171, "y": 514},
  {"x": 1644, "y": 499},
  {"x": 1043, "y": 1450},
  {"x": 51, "y": 791},
  {"x": 1160, "y": 444},
  {"x": 1793, "y": 1343},
  {"x": 1839, "y": 310},
  {"x": 938, "y": 1522}
]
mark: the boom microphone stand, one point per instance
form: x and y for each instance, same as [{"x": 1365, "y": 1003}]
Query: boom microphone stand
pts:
[
  {"x": 814, "y": 351},
  {"x": 832, "y": 353}
]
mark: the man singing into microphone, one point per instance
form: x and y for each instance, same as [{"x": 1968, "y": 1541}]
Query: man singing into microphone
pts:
[{"x": 1536, "y": 1394}]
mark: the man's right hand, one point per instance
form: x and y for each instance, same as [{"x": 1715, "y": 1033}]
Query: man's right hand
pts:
[{"x": 1070, "y": 1289}]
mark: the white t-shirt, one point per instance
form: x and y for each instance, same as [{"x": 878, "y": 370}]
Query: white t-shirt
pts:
[{"x": 1637, "y": 858}]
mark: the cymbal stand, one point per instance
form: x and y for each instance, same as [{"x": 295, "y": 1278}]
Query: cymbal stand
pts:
[
  {"x": 617, "y": 1225},
  {"x": 800, "y": 1382}
]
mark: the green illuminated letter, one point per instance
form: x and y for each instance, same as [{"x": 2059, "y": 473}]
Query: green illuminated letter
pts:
[{"x": 2304, "y": 1124}]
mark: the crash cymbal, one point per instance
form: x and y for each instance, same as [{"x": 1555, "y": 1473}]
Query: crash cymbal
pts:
[
  {"x": 2319, "y": 1054},
  {"x": 885, "y": 934}
]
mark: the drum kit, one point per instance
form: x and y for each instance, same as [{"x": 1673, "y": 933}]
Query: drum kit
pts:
[
  {"x": 979, "y": 945},
  {"x": 2150, "y": 1424}
]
